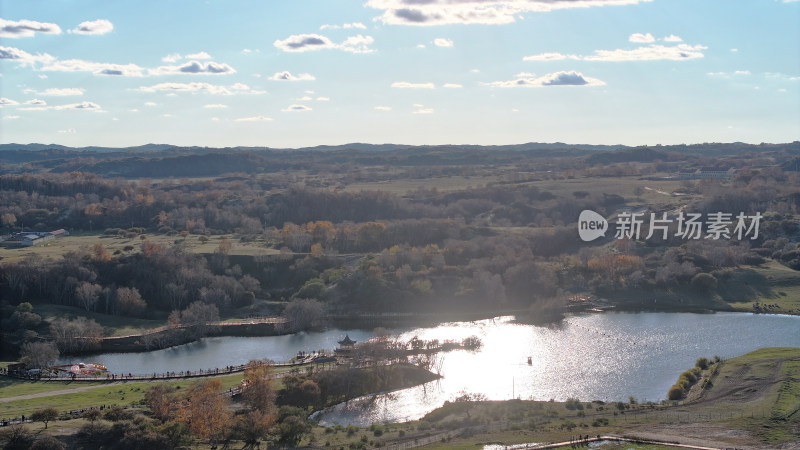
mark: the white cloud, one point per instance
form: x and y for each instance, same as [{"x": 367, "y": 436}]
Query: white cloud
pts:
[
  {"x": 10, "y": 117},
  {"x": 323, "y": 99},
  {"x": 305, "y": 99},
  {"x": 310, "y": 42},
  {"x": 60, "y": 92},
  {"x": 85, "y": 106},
  {"x": 407, "y": 85},
  {"x": 357, "y": 44},
  {"x": 172, "y": 58},
  {"x": 551, "y": 56},
  {"x": 488, "y": 12},
  {"x": 672, "y": 38},
  {"x": 24, "y": 57},
  {"x": 382, "y": 108},
  {"x": 563, "y": 78},
  {"x": 198, "y": 87},
  {"x": 215, "y": 106},
  {"x": 422, "y": 110},
  {"x": 68, "y": 131},
  {"x": 8, "y": 102},
  {"x": 296, "y": 108},
  {"x": 150, "y": 104},
  {"x": 346, "y": 26},
  {"x": 420, "y": 45},
  {"x": 452, "y": 85},
  {"x": 288, "y": 76},
  {"x": 94, "y": 27},
  {"x": 442, "y": 42},
  {"x": 77, "y": 65},
  {"x": 254, "y": 119},
  {"x": 199, "y": 55},
  {"x": 36, "y": 102},
  {"x": 195, "y": 67},
  {"x": 654, "y": 52},
  {"x": 26, "y": 28},
  {"x": 640, "y": 38}
]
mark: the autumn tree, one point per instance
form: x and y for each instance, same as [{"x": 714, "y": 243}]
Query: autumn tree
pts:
[
  {"x": 259, "y": 392},
  {"x": 206, "y": 411},
  {"x": 252, "y": 426},
  {"x": 162, "y": 401}
]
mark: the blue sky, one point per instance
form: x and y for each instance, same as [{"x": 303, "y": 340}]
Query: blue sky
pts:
[{"x": 295, "y": 73}]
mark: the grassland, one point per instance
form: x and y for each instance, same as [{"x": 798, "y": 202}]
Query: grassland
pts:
[{"x": 56, "y": 248}]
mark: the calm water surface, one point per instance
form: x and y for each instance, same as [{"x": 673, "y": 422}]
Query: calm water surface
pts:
[{"x": 608, "y": 357}]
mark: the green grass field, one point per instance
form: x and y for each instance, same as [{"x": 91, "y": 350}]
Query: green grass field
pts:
[{"x": 781, "y": 286}]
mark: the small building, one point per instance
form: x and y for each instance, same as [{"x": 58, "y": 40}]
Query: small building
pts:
[{"x": 346, "y": 345}]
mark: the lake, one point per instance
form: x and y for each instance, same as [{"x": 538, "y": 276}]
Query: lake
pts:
[{"x": 607, "y": 356}]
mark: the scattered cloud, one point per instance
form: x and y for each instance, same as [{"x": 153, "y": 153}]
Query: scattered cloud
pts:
[
  {"x": 442, "y": 42},
  {"x": 288, "y": 76},
  {"x": 11, "y": 117},
  {"x": 452, "y": 85},
  {"x": 215, "y": 106},
  {"x": 346, "y": 26},
  {"x": 172, "y": 58},
  {"x": 323, "y": 99},
  {"x": 550, "y": 56},
  {"x": 422, "y": 110},
  {"x": 78, "y": 65},
  {"x": 254, "y": 119},
  {"x": 8, "y": 102},
  {"x": 150, "y": 104},
  {"x": 58, "y": 92},
  {"x": 420, "y": 45},
  {"x": 446, "y": 12},
  {"x": 26, "y": 28},
  {"x": 85, "y": 106},
  {"x": 653, "y": 52},
  {"x": 199, "y": 55},
  {"x": 640, "y": 38},
  {"x": 68, "y": 131},
  {"x": 194, "y": 67},
  {"x": 296, "y": 108},
  {"x": 197, "y": 87},
  {"x": 563, "y": 78},
  {"x": 407, "y": 85},
  {"x": 310, "y": 42},
  {"x": 382, "y": 108},
  {"x": 36, "y": 102},
  {"x": 94, "y": 27},
  {"x": 24, "y": 57}
]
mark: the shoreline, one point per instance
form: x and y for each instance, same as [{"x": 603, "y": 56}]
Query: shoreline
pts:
[{"x": 161, "y": 339}]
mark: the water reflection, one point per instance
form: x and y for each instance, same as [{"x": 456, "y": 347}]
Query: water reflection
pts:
[{"x": 606, "y": 357}]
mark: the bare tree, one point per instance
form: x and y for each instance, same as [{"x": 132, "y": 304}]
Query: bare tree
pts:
[
  {"x": 303, "y": 313},
  {"x": 39, "y": 355},
  {"x": 87, "y": 295}
]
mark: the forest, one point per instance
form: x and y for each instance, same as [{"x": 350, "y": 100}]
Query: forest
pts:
[{"x": 361, "y": 231}]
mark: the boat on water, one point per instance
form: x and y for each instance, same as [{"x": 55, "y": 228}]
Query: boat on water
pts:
[{"x": 83, "y": 368}]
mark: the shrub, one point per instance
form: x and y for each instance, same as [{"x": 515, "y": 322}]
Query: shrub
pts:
[
  {"x": 675, "y": 392},
  {"x": 702, "y": 363}
]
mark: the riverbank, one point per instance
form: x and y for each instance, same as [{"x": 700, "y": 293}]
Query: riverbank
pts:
[{"x": 751, "y": 401}]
